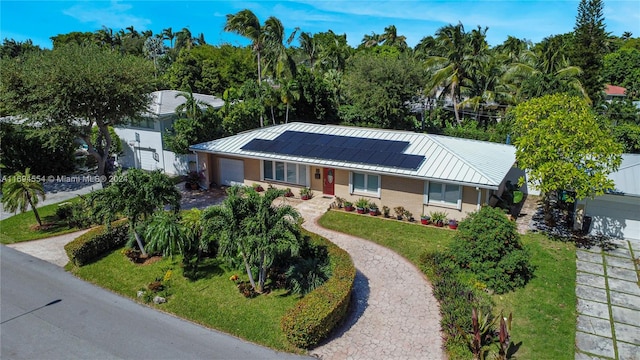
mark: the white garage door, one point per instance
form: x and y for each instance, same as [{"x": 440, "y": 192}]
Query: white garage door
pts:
[
  {"x": 231, "y": 172},
  {"x": 615, "y": 216}
]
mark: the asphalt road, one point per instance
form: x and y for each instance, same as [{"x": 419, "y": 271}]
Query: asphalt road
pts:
[{"x": 46, "y": 313}]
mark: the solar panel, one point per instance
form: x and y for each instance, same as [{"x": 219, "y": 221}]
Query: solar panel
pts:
[{"x": 340, "y": 148}]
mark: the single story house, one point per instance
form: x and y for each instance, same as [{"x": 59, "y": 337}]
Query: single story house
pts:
[
  {"x": 421, "y": 172},
  {"x": 142, "y": 142},
  {"x": 617, "y": 213}
]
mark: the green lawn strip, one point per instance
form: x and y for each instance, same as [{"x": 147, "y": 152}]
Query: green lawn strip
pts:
[
  {"x": 20, "y": 227},
  {"x": 213, "y": 301},
  {"x": 544, "y": 317},
  {"x": 407, "y": 239}
]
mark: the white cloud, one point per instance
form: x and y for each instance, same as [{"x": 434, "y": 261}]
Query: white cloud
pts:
[{"x": 116, "y": 15}]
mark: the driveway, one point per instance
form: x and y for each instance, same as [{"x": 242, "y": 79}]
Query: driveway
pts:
[{"x": 49, "y": 314}]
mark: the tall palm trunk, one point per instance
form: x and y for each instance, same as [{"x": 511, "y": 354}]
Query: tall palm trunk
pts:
[
  {"x": 286, "y": 117},
  {"x": 35, "y": 211},
  {"x": 260, "y": 83},
  {"x": 138, "y": 240},
  {"x": 455, "y": 103},
  {"x": 248, "y": 268}
]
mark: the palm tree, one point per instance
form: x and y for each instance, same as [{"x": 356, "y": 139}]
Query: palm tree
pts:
[
  {"x": 200, "y": 40},
  {"x": 21, "y": 191},
  {"x": 371, "y": 40},
  {"x": 184, "y": 39},
  {"x": 289, "y": 94},
  {"x": 192, "y": 107},
  {"x": 310, "y": 48},
  {"x": 225, "y": 224},
  {"x": 165, "y": 234},
  {"x": 390, "y": 37},
  {"x": 245, "y": 23},
  {"x": 167, "y": 34},
  {"x": 132, "y": 32},
  {"x": 449, "y": 65},
  {"x": 137, "y": 196},
  {"x": 275, "y": 227},
  {"x": 544, "y": 70}
]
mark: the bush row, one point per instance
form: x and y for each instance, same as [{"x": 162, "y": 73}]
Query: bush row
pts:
[
  {"x": 457, "y": 296},
  {"x": 96, "y": 242},
  {"x": 316, "y": 314}
]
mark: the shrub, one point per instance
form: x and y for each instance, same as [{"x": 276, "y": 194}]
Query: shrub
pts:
[
  {"x": 96, "y": 242},
  {"x": 64, "y": 211},
  {"x": 457, "y": 298},
  {"x": 488, "y": 245},
  {"x": 316, "y": 314}
]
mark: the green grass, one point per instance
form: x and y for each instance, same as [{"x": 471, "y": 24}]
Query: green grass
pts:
[
  {"x": 21, "y": 227},
  {"x": 544, "y": 317},
  {"x": 407, "y": 239},
  {"x": 544, "y": 311},
  {"x": 213, "y": 301}
]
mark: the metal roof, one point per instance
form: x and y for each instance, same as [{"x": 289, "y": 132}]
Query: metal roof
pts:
[
  {"x": 165, "y": 102},
  {"x": 449, "y": 159},
  {"x": 627, "y": 178}
]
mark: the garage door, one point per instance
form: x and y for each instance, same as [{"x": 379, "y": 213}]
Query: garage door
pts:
[
  {"x": 615, "y": 216},
  {"x": 231, "y": 172}
]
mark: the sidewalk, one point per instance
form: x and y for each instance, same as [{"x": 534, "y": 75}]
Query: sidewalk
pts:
[{"x": 608, "y": 306}]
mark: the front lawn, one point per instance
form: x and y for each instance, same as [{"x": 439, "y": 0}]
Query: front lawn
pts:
[
  {"x": 21, "y": 227},
  {"x": 213, "y": 301},
  {"x": 544, "y": 318}
]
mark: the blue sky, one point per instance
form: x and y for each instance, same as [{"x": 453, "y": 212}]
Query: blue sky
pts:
[{"x": 532, "y": 19}]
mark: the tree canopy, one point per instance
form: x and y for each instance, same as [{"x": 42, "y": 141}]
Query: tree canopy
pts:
[
  {"x": 78, "y": 87},
  {"x": 563, "y": 146}
]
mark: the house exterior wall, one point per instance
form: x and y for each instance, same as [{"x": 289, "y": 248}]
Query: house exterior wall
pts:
[
  {"x": 252, "y": 171},
  {"x": 394, "y": 191},
  {"x": 141, "y": 155}
]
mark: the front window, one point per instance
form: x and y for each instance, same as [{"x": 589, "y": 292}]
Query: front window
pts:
[
  {"x": 365, "y": 184},
  {"x": 284, "y": 172},
  {"x": 443, "y": 194}
]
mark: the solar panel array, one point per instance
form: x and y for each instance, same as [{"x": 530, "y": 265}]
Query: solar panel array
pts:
[{"x": 340, "y": 148}]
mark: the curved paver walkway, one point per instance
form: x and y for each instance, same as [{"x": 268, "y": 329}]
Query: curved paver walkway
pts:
[{"x": 396, "y": 315}]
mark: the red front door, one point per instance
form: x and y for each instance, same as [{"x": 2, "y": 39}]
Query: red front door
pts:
[{"x": 328, "y": 181}]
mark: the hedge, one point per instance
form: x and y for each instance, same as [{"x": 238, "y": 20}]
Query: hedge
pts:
[
  {"x": 316, "y": 314},
  {"x": 96, "y": 242}
]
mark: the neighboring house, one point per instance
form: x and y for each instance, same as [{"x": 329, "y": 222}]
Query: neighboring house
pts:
[
  {"x": 421, "y": 172},
  {"x": 613, "y": 92},
  {"x": 143, "y": 143},
  {"x": 617, "y": 214}
]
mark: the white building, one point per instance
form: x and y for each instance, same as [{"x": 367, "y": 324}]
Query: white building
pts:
[{"x": 143, "y": 142}]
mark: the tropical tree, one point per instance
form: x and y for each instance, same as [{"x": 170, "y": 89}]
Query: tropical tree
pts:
[
  {"x": 225, "y": 224},
  {"x": 289, "y": 94},
  {"x": 78, "y": 87},
  {"x": 377, "y": 89},
  {"x": 136, "y": 195},
  {"x": 390, "y": 37},
  {"x": 184, "y": 39},
  {"x": 563, "y": 146},
  {"x": 165, "y": 234},
  {"x": 250, "y": 226},
  {"x": 544, "y": 70},
  {"x": 245, "y": 23},
  {"x": 449, "y": 65},
  {"x": 168, "y": 34},
  {"x": 21, "y": 191},
  {"x": 275, "y": 228}
]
